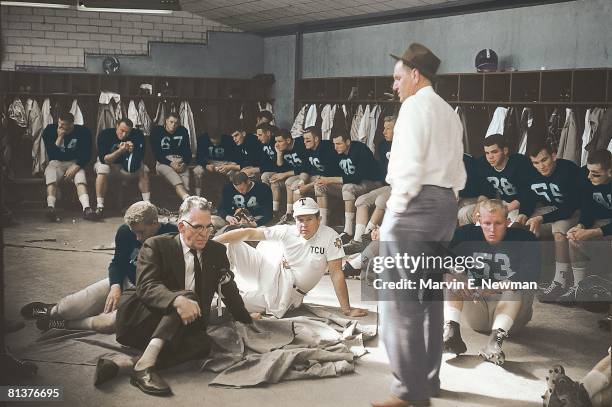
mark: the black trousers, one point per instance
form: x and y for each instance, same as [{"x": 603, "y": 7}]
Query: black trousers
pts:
[{"x": 137, "y": 325}]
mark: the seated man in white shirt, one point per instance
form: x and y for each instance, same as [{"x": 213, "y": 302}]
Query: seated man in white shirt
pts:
[{"x": 307, "y": 250}]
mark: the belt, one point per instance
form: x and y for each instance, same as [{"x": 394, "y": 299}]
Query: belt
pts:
[{"x": 298, "y": 290}]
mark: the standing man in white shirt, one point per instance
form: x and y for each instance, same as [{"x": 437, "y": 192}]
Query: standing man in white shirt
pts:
[
  {"x": 284, "y": 272},
  {"x": 425, "y": 174}
]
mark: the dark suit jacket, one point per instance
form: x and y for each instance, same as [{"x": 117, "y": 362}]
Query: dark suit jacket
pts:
[{"x": 160, "y": 277}]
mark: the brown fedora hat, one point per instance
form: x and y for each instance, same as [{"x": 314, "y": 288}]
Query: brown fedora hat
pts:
[{"x": 420, "y": 57}]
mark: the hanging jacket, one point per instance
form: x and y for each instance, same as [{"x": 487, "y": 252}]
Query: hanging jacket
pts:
[
  {"x": 373, "y": 125},
  {"x": 526, "y": 123},
  {"x": 466, "y": 143},
  {"x": 143, "y": 117},
  {"x": 17, "y": 112},
  {"x": 132, "y": 114},
  {"x": 106, "y": 118},
  {"x": 327, "y": 120},
  {"x": 297, "y": 130},
  {"x": 568, "y": 143},
  {"x": 497, "y": 122},
  {"x": 35, "y": 129},
  {"x": 356, "y": 123},
  {"x": 76, "y": 112},
  {"x": 160, "y": 115},
  {"x": 186, "y": 118},
  {"x": 602, "y": 138}
]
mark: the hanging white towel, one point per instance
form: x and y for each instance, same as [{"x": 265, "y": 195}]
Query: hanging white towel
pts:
[
  {"x": 297, "y": 130},
  {"x": 133, "y": 114},
  {"x": 105, "y": 97},
  {"x": 144, "y": 118},
  {"x": 356, "y": 123},
  {"x": 327, "y": 121},
  {"x": 46, "y": 113},
  {"x": 76, "y": 112},
  {"x": 523, "y": 144},
  {"x": 373, "y": 125},
  {"x": 497, "y": 123},
  {"x": 586, "y": 138},
  {"x": 186, "y": 117},
  {"x": 311, "y": 117}
]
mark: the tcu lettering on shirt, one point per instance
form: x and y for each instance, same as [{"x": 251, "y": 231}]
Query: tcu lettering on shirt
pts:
[
  {"x": 502, "y": 186},
  {"x": 270, "y": 152},
  {"x": 239, "y": 201},
  {"x": 347, "y": 166},
  {"x": 216, "y": 152},
  {"x": 549, "y": 191},
  {"x": 71, "y": 145},
  {"x": 317, "y": 250},
  {"x": 500, "y": 263},
  {"x": 603, "y": 200},
  {"x": 314, "y": 161},
  {"x": 166, "y": 140},
  {"x": 293, "y": 159}
]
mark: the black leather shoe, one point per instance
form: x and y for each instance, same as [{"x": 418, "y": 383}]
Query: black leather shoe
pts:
[
  {"x": 105, "y": 370},
  {"x": 44, "y": 324},
  {"x": 36, "y": 310},
  {"x": 150, "y": 382}
]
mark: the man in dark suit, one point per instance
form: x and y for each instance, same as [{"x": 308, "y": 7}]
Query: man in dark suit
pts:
[{"x": 176, "y": 278}]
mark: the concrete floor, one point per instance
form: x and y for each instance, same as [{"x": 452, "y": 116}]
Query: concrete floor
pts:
[{"x": 555, "y": 335}]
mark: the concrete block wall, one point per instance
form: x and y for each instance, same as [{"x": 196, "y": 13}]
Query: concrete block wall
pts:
[{"x": 61, "y": 38}]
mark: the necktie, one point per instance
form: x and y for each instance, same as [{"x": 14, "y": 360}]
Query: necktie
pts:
[{"x": 197, "y": 273}]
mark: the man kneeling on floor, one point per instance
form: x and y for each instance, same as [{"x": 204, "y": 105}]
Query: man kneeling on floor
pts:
[
  {"x": 94, "y": 307},
  {"x": 168, "y": 312},
  {"x": 507, "y": 254},
  {"x": 306, "y": 250}
]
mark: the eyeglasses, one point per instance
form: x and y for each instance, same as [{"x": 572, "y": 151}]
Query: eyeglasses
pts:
[{"x": 201, "y": 228}]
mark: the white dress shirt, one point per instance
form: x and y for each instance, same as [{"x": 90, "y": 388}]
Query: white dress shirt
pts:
[
  {"x": 189, "y": 265},
  {"x": 427, "y": 149}
]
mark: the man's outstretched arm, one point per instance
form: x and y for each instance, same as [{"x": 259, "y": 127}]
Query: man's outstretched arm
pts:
[{"x": 337, "y": 277}]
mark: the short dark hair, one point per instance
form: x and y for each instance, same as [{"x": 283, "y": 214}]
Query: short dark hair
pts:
[
  {"x": 266, "y": 114},
  {"x": 601, "y": 157},
  {"x": 284, "y": 133},
  {"x": 239, "y": 178},
  {"x": 341, "y": 133},
  {"x": 535, "y": 149},
  {"x": 315, "y": 131},
  {"x": 127, "y": 121},
  {"x": 66, "y": 117},
  {"x": 264, "y": 126},
  {"x": 494, "y": 139},
  {"x": 171, "y": 114}
]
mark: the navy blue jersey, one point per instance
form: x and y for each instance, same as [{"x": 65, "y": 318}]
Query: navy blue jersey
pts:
[
  {"x": 358, "y": 165},
  {"x": 126, "y": 253},
  {"x": 108, "y": 143},
  {"x": 475, "y": 185},
  {"x": 208, "y": 151},
  {"x": 76, "y": 146},
  {"x": 560, "y": 189},
  {"x": 268, "y": 158},
  {"x": 323, "y": 160},
  {"x": 384, "y": 151},
  {"x": 258, "y": 200},
  {"x": 297, "y": 158},
  {"x": 509, "y": 182},
  {"x": 515, "y": 258},
  {"x": 165, "y": 144},
  {"x": 595, "y": 204},
  {"x": 249, "y": 152}
]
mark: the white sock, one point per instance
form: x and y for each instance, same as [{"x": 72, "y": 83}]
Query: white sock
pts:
[
  {"x": 349, "y": 218},
  {"x": 561, "y": 270},
  {"x": 323, "y": 212},
  {"x": 198, "y": 191},
  {"x": 579, "y": 274},
  {"x": 595, "y": 381},
  {"x": 503, "y": 321},
  {"x": 149, "y": 357},
  {"x": 146, "y": 196},
  {"x": 100, "y": 202},
  {"x": 84, "y": 199},
  {"x": 85, "y": 323},
  {"x": 359, "y": 230},
  {"x": 289, "y": 208},
  {"x": 356, "y": 262},
  {"x": 51, "y": 201},
  {"x": 275, "y": 206},
  {"x": 369, "y": 227},
  {"x": 452, "y": 314}
]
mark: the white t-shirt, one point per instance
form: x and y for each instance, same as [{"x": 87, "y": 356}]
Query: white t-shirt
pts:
[{"x": 307, "y": 259}]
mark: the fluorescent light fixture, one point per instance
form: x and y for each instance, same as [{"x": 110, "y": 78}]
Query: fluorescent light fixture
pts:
[
  {"x": 31, "y": 4},
  {"x": 123, "y": 10}
]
